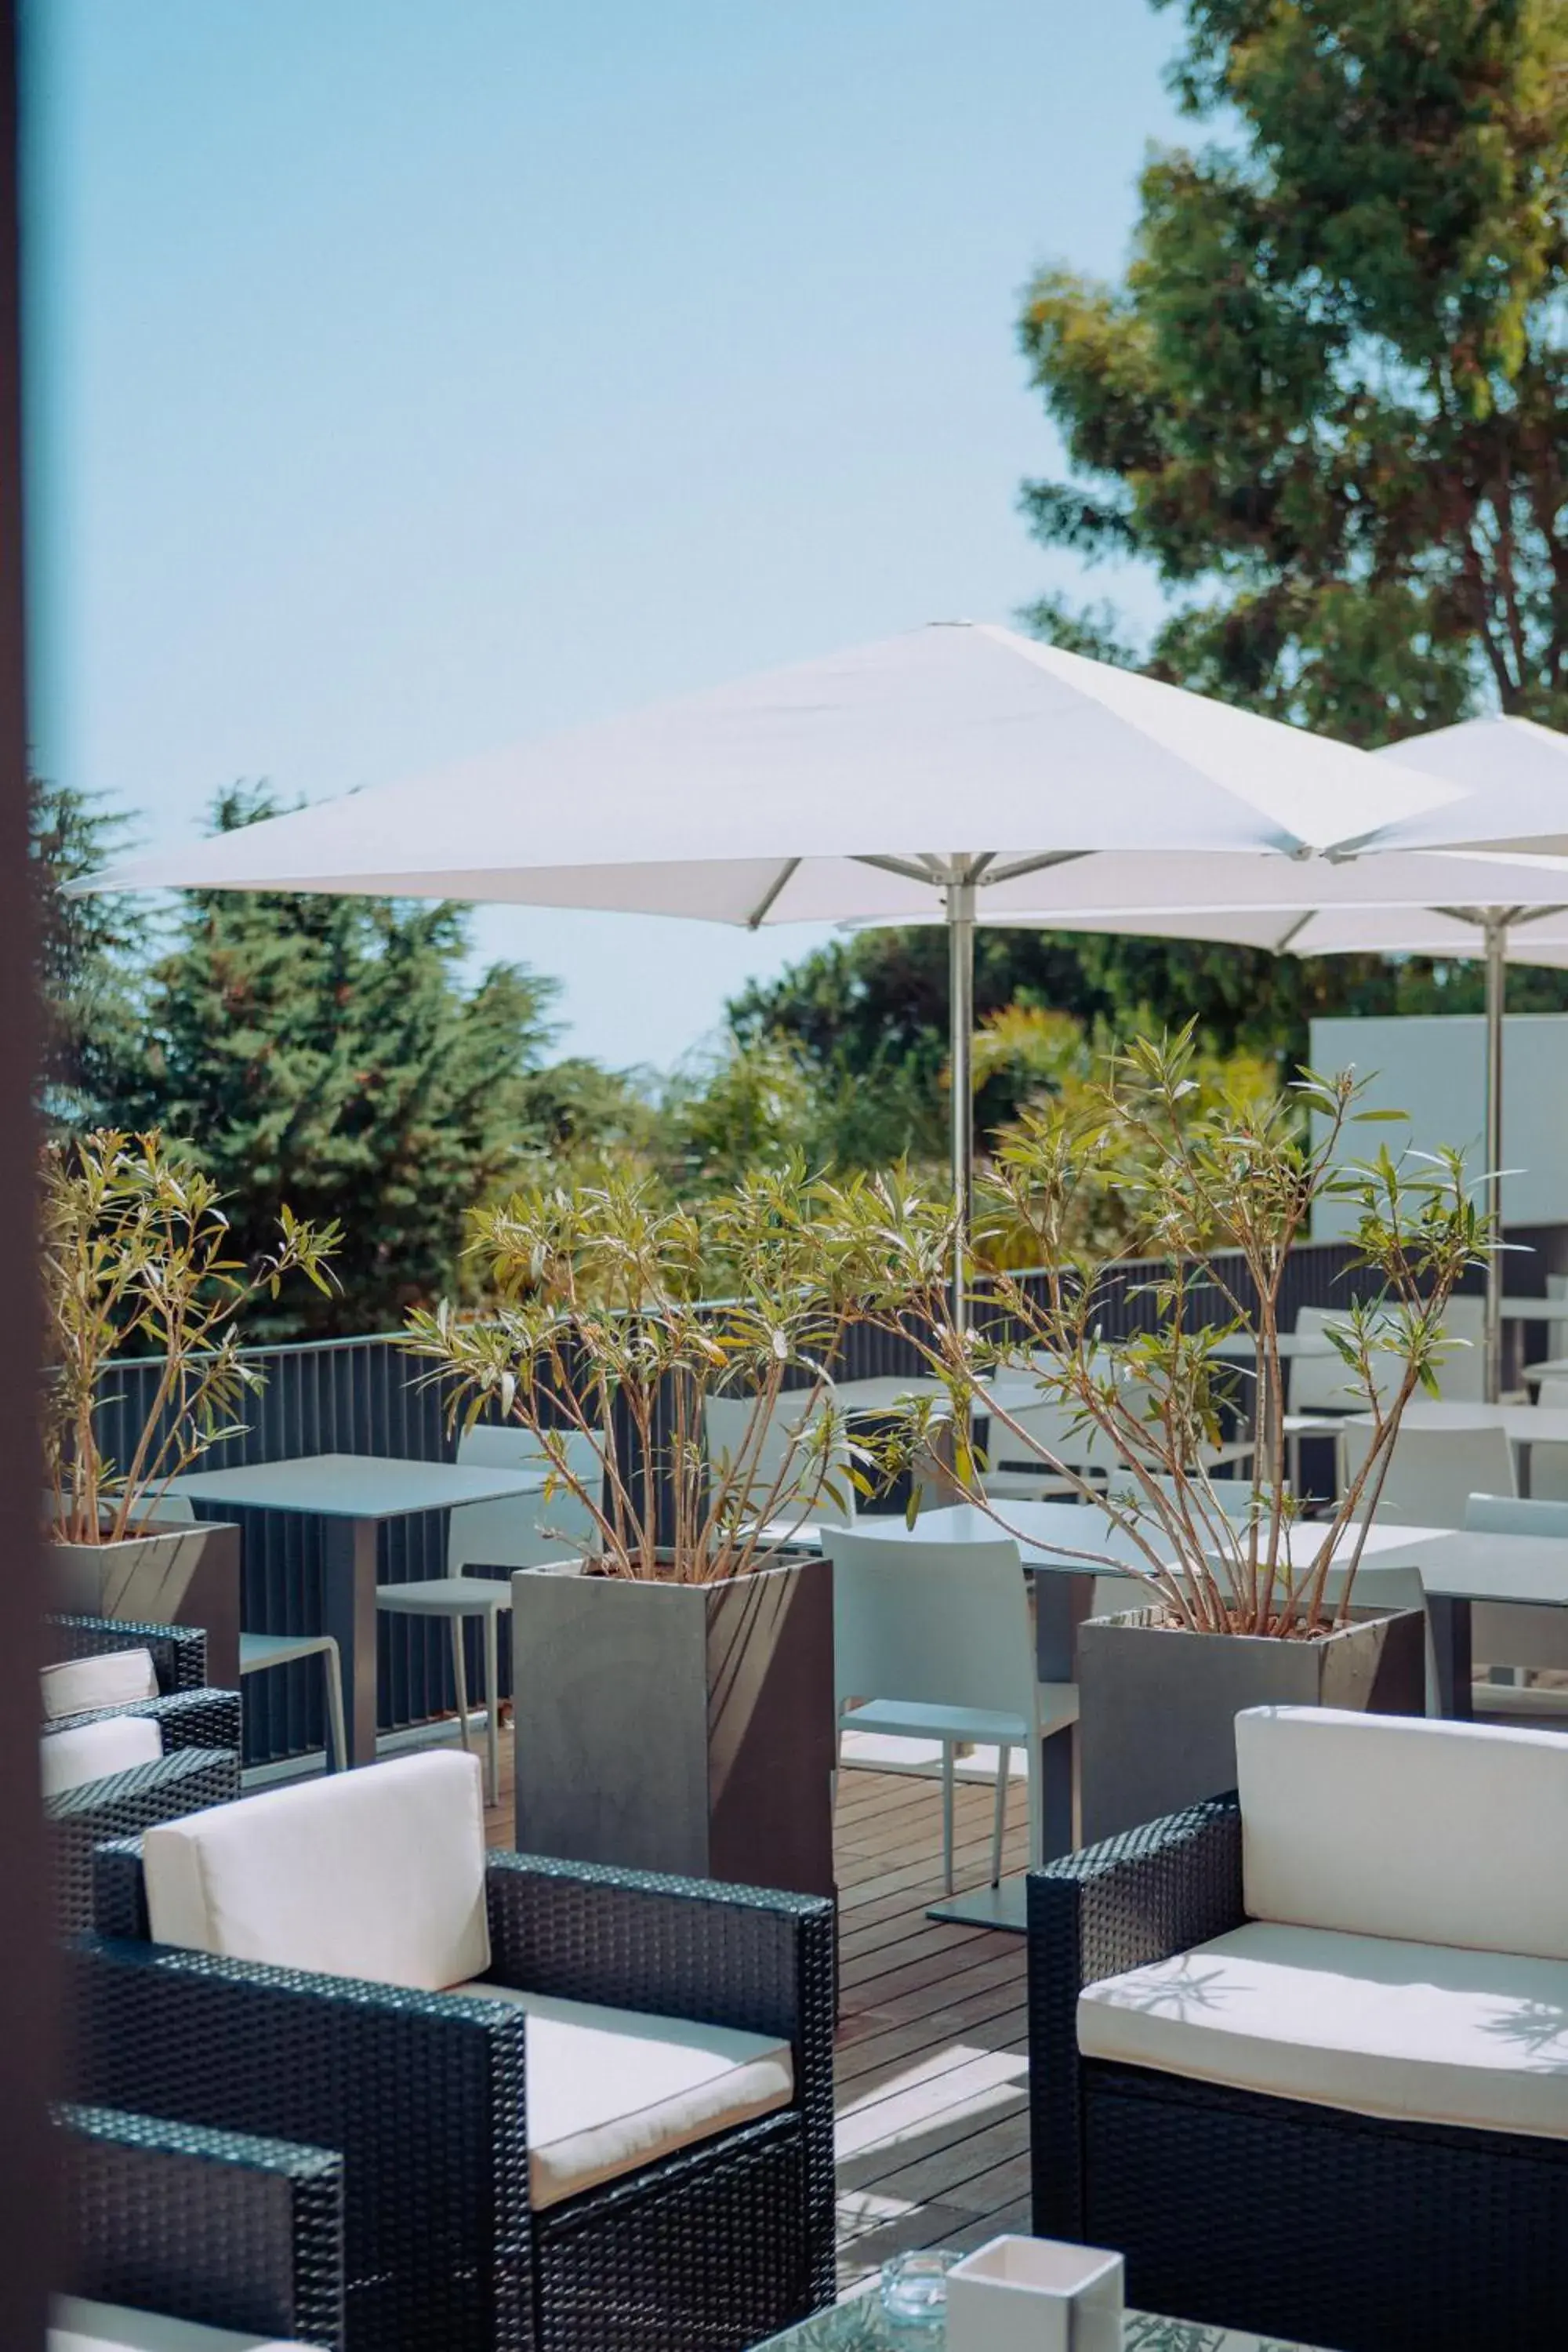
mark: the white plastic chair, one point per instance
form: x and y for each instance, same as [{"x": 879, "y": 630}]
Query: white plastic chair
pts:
[
  {"x": 935, "y": 1641},
  {"x": 259, "y": 1652},
  {"x": 531, "y": 1531},
  {"x": 1517, "y": 1635},
  {"x": 1434, "y": 1472},
  {"x": 1015, "y": 1471},
  {"x": 1549, "y": 1464},
  {"x": 801, "y": 1508}
]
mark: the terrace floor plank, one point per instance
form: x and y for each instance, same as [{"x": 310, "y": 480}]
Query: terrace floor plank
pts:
[{"x": 932, "y": 2082}]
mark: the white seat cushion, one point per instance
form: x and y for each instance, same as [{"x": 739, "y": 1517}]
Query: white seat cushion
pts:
[
  {"x": 113, "y": 1678},
  {"x": 610, "y": 2090},
  {"x": 1422, "y": 2031},
  {"x": 377, "y": 1873},
  {"x": 92, "y": 1751},
  {"x": 76, "y": 2326},
  {"x": 1400, "y": 1826}
]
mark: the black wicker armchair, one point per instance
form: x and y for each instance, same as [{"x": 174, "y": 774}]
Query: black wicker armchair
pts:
[
  {"x": 1342, "y": 2224},
  {"x": 216, "y": 2228},
  {"x": 709, "y": 2248},
  {"x": 200, "y": 1765}
]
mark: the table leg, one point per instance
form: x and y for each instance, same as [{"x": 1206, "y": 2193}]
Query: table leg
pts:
[
  {"x": 348, "y": 1608},
  {"x": 1450, "y": 1623}
]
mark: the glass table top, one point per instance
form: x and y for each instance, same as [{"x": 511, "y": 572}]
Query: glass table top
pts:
[{"x": 862, "y": 2325}]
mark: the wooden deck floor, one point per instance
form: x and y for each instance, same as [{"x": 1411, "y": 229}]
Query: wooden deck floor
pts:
[{"x": 933, "y": 2133}]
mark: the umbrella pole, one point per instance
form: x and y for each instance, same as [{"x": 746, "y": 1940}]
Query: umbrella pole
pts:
[
  {"x": 1496, "y": 982},
  {"x": 961, "y": 1020}
]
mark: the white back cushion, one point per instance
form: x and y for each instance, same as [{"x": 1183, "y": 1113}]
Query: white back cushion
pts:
[
  {"x": 377, "y": 1873},
  {"x": 92, "y": 1751},
  {"x": 1392, "y": 1825},
  {"x": 113, "y": 1678}
]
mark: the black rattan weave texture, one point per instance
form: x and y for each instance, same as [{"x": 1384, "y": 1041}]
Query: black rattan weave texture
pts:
[
  {"x": 121, "y": 1806},
  {"x": 424, "y": 2096},
  {"x": 215, "y": 2227},
  {"x": 1152, "y": 1892},
  {"x": 1297, "y": 2220},
  {"x": 179, "y": 1652}
]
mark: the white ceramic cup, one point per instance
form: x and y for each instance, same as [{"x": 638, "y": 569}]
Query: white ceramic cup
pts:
[{"x": 1036, "y": 2294}]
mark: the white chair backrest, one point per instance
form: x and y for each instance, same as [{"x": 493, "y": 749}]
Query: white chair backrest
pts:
[
  {"x": 1553, "y": 1395},
  {"x": 1515, "y": 1515},
  {"x": 533, "y": 1531},
  {"x": 781, "y": 1456},
  {"x": 1434, "y": 1472},
  {"x": 1513, "y": 1633},
  {"x": 1462, "y": 1376},
  {"x": 1056, "y": 1430},
  {"x": 171, "y": 1508},
  {"x": 944, "y": 1623},
  {"x": 1557, "y": 1333},
  {"x": 109, "y": 1679},
  {"x": 378, "y": 1874},
  {"x": 1382, "y": 1825},
  {"x": 96, "y": 1752},
  {"x": 1323, "y": 1383},
  {"x": 1232, "y": 1498}
]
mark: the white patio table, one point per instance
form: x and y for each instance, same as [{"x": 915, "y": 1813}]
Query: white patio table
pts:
[{"x": 352, "y": 1495}]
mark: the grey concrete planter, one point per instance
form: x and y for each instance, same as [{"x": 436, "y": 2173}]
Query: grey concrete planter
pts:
[
  {"x": 1158, "y": 1707},
  {"x": 683, "y": 1727},
  {"x": 183, "y": 1574}
]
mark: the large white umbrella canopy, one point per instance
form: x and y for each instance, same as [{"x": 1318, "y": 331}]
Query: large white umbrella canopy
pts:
[
  {"x": 1418, "y": 886},
  {"x": 836, "y": 790}
]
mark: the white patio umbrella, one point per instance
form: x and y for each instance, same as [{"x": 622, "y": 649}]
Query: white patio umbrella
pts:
[
  {"x": 1420, "y": 886},
  {"x": 835, "y": 790}
]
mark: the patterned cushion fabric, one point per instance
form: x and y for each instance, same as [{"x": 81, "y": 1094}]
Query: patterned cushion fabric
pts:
[
  {"x": 1421, "y": 2032},
  {"x": 377, "y": 1873},
  {"x": 112, "y": 1678},
  {"x": 611, "y": 2090}
]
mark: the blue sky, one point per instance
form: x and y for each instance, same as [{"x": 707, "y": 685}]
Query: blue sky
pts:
[{"x": 411, "y": 376}]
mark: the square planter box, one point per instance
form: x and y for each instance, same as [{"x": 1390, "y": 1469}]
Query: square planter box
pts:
[
  {"x": 183, "y": 1574},
  {"x": 684, "y": 1727},
  {"x": 1157, "y": 1707}
]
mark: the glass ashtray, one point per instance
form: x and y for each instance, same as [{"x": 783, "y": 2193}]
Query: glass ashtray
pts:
[{"x": 915, "y": 2287}]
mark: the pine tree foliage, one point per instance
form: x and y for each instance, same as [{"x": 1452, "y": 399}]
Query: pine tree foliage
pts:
[
  {"x": 325, "y": 1052},
  {"x": 90, "y": 953}
]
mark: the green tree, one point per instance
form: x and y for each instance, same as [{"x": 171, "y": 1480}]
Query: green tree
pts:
[
  {"x": 91, "y": 954},
  {"x": 325, "y": 1052},
  {"x": 1325, "y": 406},
  {"x": 1326, "y": 402}
]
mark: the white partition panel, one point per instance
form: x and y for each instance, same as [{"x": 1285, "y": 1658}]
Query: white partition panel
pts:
[{"x": 1434, "y": 1066}]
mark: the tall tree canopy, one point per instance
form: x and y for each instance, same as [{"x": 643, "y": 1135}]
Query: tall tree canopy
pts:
[
  {"x": 1326, "y": 402},
  {"x": 325, "y": 1052},
  {"x": 90, "y": 953},
  {"x": 1325, "y": 406}
]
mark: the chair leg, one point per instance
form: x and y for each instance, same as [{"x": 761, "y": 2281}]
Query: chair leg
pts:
[
  {"x": 493, "y": 1701},
  {"x": 999, "y": 1815},
  {"x": 947, "y": 1777},
  {"x": 460, "y": 1677},
  {"x": 331, "y": 1659}
]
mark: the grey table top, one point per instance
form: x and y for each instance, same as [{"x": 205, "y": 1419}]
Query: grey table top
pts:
[
  {"x": 1454, "y": 1565},
  {"x": 356, "y": 1485},
  {"x": 862, "y": 2325}
]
